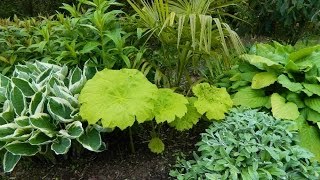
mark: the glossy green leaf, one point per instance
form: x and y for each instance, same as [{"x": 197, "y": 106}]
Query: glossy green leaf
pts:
[
  {"x": 22, "y": 148},
  {"x": 61, "y": 145},
  {"x": 91, "y": 139},
  {"x": 313, "y": 88},
  {"x": 313, "y": 103},
  {"x": 281, "y": 109},
  {"x": 39, "y": 138},
  {"x": 250, "y": 98},
  {"x": 215, "y": 102},
  {"x": 10, "y": 161},
  {"x": 37, "y": 103},
  {"x": 60, "y": 109},
  {"x": 44, "y": 123},
  {"x": 73, "y": 130},
  {"x": 260, "y": 62},
  {"x": 24, "y": 86},
  {"x": 263, "y": 79},
  {"x": 286, "y": 82},
  {"x": 18, "y": 101},
  {"x": 89, "y": 47}
]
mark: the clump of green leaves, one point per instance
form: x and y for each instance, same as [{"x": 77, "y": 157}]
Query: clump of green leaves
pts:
[
  {"x": 248, "y": 145},
  {"x": 281, "y": 79},
  {"x": 119, "y": 98},
  {"x": 39, "y": 112}
]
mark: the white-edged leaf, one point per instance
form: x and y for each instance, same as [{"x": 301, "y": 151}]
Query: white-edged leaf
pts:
[
  {"x": 18, "y": 101},
  {"x": 22, "y": 148},
  {"x": 61, "y": 145},
  {"x": 43, "y": 122},
  {"x": 60, "y": 109},
  {"x": 91, "y": 139},
  {"x": 10, "y": 161},
  {"x": 73, "y": 130},
  {"x": 37, "y": 103}
]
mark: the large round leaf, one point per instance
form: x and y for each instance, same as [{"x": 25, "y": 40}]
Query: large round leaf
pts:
[
  {"x": 263, "y": 79},
  {"x": 117, "y": 97},
  {"x": 283, "y": 110},
  {"x": 169, "y": 105},
  {"x": 156, "y": 145},
  {"x": 212, "y": 101},
  {"x": 252, "y": 98},
  {"x": 286, "y": 82}
]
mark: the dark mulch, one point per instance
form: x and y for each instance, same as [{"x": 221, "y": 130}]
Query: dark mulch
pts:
[{"x": 115, "y": 163}]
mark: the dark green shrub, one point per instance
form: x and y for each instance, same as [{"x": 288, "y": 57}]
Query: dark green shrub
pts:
[
  {"x": 283, "y": 20},
  {"x": 248, "y": 145}
]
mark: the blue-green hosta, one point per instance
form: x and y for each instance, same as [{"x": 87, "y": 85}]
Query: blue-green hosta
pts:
[
  {"x": 286, "y": 81},
  {"x": 39, "y": 111},
  {"x": 119, "y": 98}
]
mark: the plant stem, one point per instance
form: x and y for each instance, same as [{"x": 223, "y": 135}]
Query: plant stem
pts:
[{"x": 131, "y": 141}]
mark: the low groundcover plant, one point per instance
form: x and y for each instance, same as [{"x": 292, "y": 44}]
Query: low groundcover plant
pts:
[{"x": 249, "y": 145}]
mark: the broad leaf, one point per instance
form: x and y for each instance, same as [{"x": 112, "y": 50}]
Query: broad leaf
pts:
[
  {"x": 39, "y": 138},
  {"x": 24, "y": 86},
  {"x": 215, "y": 102},
  {"x": 18, "y": 101},
  {"x": 250, "y": 98},
  {"x": 10, "y": 161},
  {"x": 156, "y": 145},
  {"x": 281, "y": 109},
  {"x": 61, "y": 145},
  {"x": 22, "y": 148},
  {"x": 312, "y": 115},
  {"x": 91, "y": 139},
  {"x": 292, "y": 86},
  {"x": 295, "y": 98},
  {"x": 260, "y": 62},
  {"x": 43, "y": 122},
  {"x": 169, "y": 105},
  {"x": 313, "y": 103},
  {"x": 73, "y": 130},
  {"x": 118, "y": 98},
  {"x": 313, "y": 88},
  {"x": 189, "y": 119},
  {"x": 263, "y": 79},
  {"x": 60, "y": 109},
  {"x": 310, "y": 138},
  {"x": 37, "y": 103}
]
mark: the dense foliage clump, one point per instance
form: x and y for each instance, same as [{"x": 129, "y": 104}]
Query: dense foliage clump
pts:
[{"x": 248, "y": 145}]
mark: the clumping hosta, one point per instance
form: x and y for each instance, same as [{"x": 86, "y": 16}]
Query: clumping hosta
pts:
[{"x": 39, "y": 111}]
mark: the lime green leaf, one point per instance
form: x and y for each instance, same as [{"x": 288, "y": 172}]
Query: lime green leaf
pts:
[
  {"x": 117, "y": 97},
  {"x": 73, "y": 130},
  {"x": 313, "y": 103},
  {"x": 22, "y": 148},
  {"x": 24, "y": 86},
  {"x": 310, "y": 138},
  {"x": 313, "y": 88},
  {"x": 250, "y": 98},
  {"x": 39, "y": 138},
  {"x": 301, "y": 53},
  {"x": 260, "y": 62},
  {"x": 43, "y": 122},
  {"x": 281, "y": 109},
  {"x": 263, "y": 79},
  {"x": 156, "y": 145},
  {"x": 18, "y": 101},
  {"x": 91, "y": 139},
  {"x": 10, "y": 161},
  {"x": 61, "y": 145},
  {"x": 292, "y": 86},
  {"x": 189, "y": 119},
  {"x": 169, "y": 105},
  {"x": 212, "y": 101}
]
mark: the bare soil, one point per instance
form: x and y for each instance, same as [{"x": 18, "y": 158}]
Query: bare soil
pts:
[{"x": 116, "y": 163}]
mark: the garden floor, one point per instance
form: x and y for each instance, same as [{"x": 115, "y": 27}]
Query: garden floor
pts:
[{"x": 115, "y": 163}]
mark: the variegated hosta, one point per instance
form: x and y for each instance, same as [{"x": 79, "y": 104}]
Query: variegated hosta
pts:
[{"x": 39, "y": 111}]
